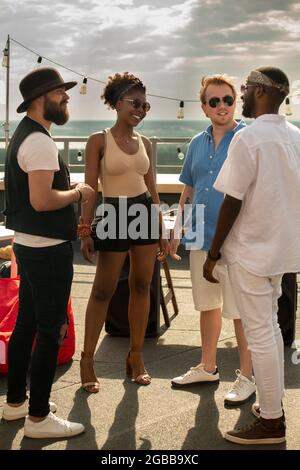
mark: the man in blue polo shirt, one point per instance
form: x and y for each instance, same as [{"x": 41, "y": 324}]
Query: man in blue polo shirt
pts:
[{"x": 206, "y": 155}]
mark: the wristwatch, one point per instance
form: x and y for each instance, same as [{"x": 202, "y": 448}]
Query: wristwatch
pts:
[{"x": 213, "y": 258}]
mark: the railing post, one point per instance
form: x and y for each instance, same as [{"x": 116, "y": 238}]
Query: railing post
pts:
[{"x": 66, "y": 153}]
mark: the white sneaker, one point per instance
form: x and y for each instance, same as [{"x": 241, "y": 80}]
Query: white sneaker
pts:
[
  {"x": 194, "y": 375},
  {"x": 11, "y": 413},
  {"x": 51, "y": 426},
  {"x": 241, "y": 391}
]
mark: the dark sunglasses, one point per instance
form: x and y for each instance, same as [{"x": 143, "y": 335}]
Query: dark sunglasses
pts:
[
  {"x": 137, "y": 103},
  {"x": 216, "y": 101}
]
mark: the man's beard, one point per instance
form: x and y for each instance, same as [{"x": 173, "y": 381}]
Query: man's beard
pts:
[
  {"x": 247, "y": 109},
  {"x": 53, "y": 112}
]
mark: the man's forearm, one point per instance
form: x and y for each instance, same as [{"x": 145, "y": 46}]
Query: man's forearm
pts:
[
  {"x": 227, "y": 216},
  {"x": 56, "y": 200}
]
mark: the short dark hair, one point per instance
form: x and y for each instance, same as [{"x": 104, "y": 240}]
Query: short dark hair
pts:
[
  {"x": 119, "y": 85},
  {"x": 279, "y": 77}
]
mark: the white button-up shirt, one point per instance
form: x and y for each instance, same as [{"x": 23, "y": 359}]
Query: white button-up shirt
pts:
[{"x": 263, "y": 170}]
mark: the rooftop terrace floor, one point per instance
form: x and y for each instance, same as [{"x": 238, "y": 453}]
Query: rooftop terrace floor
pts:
[{"x": 125, "y": 416}]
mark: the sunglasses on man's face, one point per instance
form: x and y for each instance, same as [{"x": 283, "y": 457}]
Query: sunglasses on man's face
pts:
[
  {"x": 215, "y": 101},
  {"x": 244, "y": 88},
  {"x": 136, "y": 103}
]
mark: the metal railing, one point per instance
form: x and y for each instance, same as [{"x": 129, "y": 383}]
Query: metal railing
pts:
[{"x": 68, "y": 147}]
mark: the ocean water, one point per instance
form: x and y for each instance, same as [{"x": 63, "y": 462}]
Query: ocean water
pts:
[{"x": 167, "y": 154}]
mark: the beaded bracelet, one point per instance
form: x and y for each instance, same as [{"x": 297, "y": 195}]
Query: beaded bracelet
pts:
[
  {"x": 213, "y": 258},
  {"x": 84, "y": 231}
]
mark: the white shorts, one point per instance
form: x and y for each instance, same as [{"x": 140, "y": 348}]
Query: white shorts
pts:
[{"x": 208, "y": 296}]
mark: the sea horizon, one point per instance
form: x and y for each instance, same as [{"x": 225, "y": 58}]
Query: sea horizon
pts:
[
  {"x": 150, "y": 127},
  {"x": 168, "y": 160}
]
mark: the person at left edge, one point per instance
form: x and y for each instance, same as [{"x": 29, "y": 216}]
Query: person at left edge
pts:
[{"x": 39, "y": 209}]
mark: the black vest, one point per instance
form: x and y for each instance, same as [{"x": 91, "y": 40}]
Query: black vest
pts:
[{"x": 20, "y": 215}]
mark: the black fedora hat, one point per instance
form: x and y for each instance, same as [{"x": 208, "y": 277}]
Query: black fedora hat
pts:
[{"x": 38, "y": 83}]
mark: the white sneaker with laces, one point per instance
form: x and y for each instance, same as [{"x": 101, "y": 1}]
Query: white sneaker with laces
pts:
[
  {"x": 195, "y": 375},
  {"x": 11, "y": 413},
  {"x": 241, "y": 391},
  {"x": 51, "y": 426}
]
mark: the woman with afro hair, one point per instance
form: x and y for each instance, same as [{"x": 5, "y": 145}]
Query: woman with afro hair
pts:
[{"x": 122, "y": 160}]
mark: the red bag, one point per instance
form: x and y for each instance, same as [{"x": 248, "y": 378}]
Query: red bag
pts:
[{"x": 9, "y": 304}]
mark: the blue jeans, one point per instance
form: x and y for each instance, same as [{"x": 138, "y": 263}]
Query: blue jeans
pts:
[{"x": 45, "y": 283}]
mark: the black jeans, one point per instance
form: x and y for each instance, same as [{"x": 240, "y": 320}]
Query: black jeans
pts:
[{"x": 45, "y": 283}]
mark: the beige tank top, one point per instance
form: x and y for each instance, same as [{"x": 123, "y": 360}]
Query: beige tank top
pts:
[{"x": 122, "y": 174}]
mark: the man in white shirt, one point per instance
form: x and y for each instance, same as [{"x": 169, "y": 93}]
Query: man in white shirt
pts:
[{"x": 259, "y": 232}]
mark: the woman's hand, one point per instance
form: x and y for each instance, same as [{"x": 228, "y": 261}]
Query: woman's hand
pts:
[
  {"x": 87, "y": 249},
  {"x": 174, "y": 244},
  {"x": 163, "y": 249}
]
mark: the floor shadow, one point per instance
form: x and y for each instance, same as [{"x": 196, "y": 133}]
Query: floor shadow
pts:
[
  {"x": 122, "y": 433},
  {"x": 205, "y": 434},
  {"x": 81, "y": 412},
  {"x": 8, "y": 432}
]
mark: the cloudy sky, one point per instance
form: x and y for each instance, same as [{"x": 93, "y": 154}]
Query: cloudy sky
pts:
[{"x": 169, "y": 44}]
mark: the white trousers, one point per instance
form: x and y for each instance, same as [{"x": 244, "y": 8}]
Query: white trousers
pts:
[{"x": 257, "y": 301}]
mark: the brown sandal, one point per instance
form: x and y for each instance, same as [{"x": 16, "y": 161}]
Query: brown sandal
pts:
[
  {"x": 141, "y": 379},
  {"x": 86, "y": 363}
]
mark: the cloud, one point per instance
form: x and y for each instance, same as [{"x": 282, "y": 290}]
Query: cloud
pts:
[{"x": 170, "y": 44}]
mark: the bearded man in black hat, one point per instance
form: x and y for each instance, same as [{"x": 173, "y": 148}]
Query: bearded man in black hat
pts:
[{"x": 39, "y": 208}]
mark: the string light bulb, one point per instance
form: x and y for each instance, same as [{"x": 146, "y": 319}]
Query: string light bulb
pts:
[
  {"x": 5, "y": 57},
  {"x": 79, "y": 156},
  {"x": 180, "y": 114},
  {"x": 83, "y": 88},
  {"x": 180, "y": 154},
  {"x": 288, "y": 109}
]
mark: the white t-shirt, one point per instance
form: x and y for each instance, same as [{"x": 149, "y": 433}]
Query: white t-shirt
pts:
[
  {"x": 263, "y": 170},
  {"x": 37, "y": 152}
]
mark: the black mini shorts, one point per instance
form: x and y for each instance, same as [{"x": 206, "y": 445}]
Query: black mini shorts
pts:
[{"x": 125, "y": 221}]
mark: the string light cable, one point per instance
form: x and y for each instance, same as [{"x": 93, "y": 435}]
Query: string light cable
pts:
[
  {"x": 89, "y": 77},
  {"x": 86, "y": 78}
]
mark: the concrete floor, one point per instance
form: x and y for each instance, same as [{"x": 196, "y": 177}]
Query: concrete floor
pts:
[{"x": 125, "y": 416}]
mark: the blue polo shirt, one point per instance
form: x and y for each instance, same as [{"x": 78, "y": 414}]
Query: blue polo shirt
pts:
[{"x": 200, "y": 170}]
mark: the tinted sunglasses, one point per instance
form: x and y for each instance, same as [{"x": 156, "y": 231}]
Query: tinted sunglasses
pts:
[
  {"x": 136, "y": 103},
  {"x": 244, "y": 88},
  {"x": 216, "y": 101}
]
